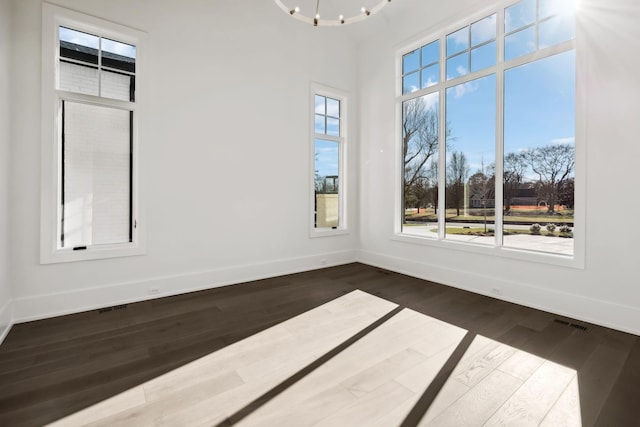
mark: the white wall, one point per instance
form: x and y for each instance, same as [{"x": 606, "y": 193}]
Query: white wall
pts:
[
  {"x": 224, "y": 152},
  {"x": 606, "y": 291},
  {"x": 225, "y": 158},
  {"x": 5, "y": 135}
]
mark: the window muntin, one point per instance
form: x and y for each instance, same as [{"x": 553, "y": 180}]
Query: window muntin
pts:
[
  {"x": 328, "y": 149},
  {"x": 473, "y": 136}
]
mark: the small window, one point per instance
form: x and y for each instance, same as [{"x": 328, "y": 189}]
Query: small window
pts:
[
  {"x": 328, "y": 161},
  {"x": 421, "y": 68},
  {"x": 90, "y": 118},
  {"x": 472, "y": 48},
  {"x": 528, "y": 29}
]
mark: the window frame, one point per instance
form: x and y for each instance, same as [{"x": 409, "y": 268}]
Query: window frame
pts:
[
  {"x": 577, "y": 260},
  {"x": 341, "y": 139},
  {"x": 54, "y": 17}
]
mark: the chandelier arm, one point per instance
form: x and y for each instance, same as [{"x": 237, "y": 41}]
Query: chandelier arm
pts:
[{"x": 315, "y": 20}]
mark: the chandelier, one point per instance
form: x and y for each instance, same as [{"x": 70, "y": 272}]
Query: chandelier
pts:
[{"x": 331, "y": 12}]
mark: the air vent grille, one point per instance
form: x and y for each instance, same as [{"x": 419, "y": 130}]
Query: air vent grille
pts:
[
  {"x": 572, "y": 325},
  {"x": 112, "y": 308}
]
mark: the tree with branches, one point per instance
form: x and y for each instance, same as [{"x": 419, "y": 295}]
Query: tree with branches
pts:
[
  {"x": 419, "y": 144},
  {"x": 554, "y": 165},
  {"x": 457, "y": 173},
  {"x": 514, "y": 169}
]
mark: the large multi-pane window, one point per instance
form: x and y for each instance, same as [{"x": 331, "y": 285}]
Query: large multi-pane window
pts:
[
  {"x": 91, "y": 169},
  {"x": 488, "y": 130},
  {"x": 328, "y": 160}
]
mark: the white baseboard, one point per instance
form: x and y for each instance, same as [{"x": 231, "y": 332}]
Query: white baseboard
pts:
[
  {"x": 6, "y": 320},
  {"x": 603, "y": 313},
  {"x": 45, "y": 306}
]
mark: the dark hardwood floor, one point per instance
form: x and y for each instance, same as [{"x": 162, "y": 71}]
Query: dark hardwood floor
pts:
[{"x": 55, "y": 367}]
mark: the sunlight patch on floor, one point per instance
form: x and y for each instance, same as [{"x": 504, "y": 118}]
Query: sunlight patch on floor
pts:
[{"x": 376, "y": 381}]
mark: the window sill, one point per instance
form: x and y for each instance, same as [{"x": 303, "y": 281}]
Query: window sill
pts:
[
  {"x": 569, "y": 261},
  {"x": 91, "y": 253},
  {"x": 328, "y": 232}
]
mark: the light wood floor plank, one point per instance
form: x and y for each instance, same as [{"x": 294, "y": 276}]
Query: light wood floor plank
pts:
[
  {"x": 476, "y": 406},
  {"x": 530, "y": 403}
]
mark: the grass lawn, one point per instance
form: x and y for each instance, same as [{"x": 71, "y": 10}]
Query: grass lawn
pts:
[
  {"x": 479, "y": 231},
  {"x": 428, "y": 215}
]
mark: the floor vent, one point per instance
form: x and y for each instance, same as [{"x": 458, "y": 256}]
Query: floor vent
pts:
[
  {"x": 573, "y": 325},
  {"x": 113, "y": 308},
  {"x": 581, "y": 327}
]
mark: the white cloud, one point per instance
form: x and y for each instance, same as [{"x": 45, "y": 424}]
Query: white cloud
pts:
[
  {"x": 484, "y": 30},
  {"x": 567, "y": 140},
  {"x": 463, "y": 89}
]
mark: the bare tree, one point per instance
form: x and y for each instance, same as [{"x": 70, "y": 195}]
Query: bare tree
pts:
[
  {"x": 554, "y": 165},
  {"x": 515, "y": 167},
  {"x": 419, "y": 139},
  {"x": 432, "y": 175},
  {"x": 457, "y": 172},
  {"x": 420, "y": 146}
]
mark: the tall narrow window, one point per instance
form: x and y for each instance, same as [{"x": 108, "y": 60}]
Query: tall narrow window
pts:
[
  {"x": 90, "y": 71},
  {"x": 328, "y": 160},
  {"x": 490, "y": 141}
]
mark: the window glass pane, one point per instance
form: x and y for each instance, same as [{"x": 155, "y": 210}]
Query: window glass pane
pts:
[
  {"x": 411, "y": 82},
  {"x": 78, "y": 45},
  {"x": 556, "y": 7},
  {"x": 117, "y": 85},
  {"x": 333, "y": 107},
  {"x": 420, "y": 165},
  {"x": 118, "y": 55},
  {"x": 458, "y": 41},
  {"x": 470, "y": 181},
  {"x": 431, "y": 53},
  {"x": 483, "y": 30},
  {"x": 539, "y": 141},
  {"x": 411, "y": 61},
  {"x": 520, "y": 43},
  {"x": 556, "y": 30},
  {"x": 118, "y": 48},
  {"x": 320, "y": 126},
  {"x": 483, "y": 57},
  {"x": 327, "y": 167},
  {"x": 430, "y": 75},
  {"x": 457, "y": 66},
  {"x": 333, "y": 126},
  {"x": 78, "y": 78},
  {"x": 96, "y": 175},
  {"x": 320, "y": 104},
  {"x": 519, "y": 15}
]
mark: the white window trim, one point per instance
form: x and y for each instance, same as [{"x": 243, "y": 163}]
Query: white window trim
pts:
[
  {"x": 577, "y": 260},
  {"x": 342, "y": 96},
  {"x": 52, "y": 18}
]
